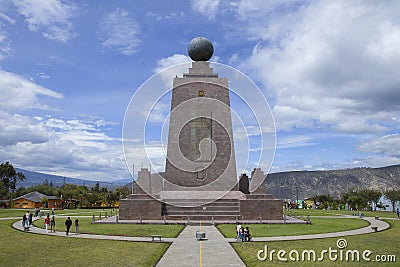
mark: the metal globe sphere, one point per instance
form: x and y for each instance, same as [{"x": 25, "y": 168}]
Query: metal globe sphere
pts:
[{"x": 200, "y": 49}]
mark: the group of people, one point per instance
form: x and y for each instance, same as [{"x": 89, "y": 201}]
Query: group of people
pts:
[
  {"x": 27, "y": 222},
  {"x": 68, "y": 224},
  {"x": 242, "y": 233}
]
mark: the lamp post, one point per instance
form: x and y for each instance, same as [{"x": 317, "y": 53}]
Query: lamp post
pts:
[{"x": 297, "y": 197}]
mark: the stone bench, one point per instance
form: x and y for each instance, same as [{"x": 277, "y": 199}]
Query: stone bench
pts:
[
  {"x": 374, "y": 228},
  {"x": 154, "y": 237}
]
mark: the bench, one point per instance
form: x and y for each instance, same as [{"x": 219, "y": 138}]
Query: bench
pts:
[
  {"x": 374, "y": 228},
  {"x": 153, "y": 237}
]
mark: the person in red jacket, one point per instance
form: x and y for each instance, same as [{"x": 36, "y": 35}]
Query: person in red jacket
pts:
[{"x": 47, "y": 222}]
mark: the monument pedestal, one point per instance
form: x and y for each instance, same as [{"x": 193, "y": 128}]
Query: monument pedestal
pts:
[
  {"x": 200, "y": 169},
  {"x": 228, "y": 206}
]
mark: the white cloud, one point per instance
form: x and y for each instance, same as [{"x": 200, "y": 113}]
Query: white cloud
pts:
[
  {"x": 71, "y": 147},
  {"x": 5, "y": 43},
  {"x": 75, "y": 148},
  {"x": 119, "y": 32},
  {"x": 388, "y": 145},
  {"x": 50, "y": 17},
  {"x": 328, "y": 64},
  {"x": 173, "y": 60},
  {"x": 17, "y": 93},
  {"x": 170, "y": 16},
  {"x": 207, "y": 8},
  {"x": 294, "y": 141}
]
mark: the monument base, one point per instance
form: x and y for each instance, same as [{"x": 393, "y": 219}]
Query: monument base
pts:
[{"x": 190, "y": 205}]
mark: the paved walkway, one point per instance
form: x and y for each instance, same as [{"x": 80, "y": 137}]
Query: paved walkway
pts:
[
  {"x": 186, "y": 250},
  {"x": 366, "y": 230},
  {"x": 215, "y": 250}
]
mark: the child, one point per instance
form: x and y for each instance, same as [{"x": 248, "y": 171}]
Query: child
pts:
[
  {"x": 76, "y": 226},
  {"x": 53, "y": 224}
]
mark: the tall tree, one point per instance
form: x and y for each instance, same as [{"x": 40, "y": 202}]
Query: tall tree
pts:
[
  {"x": 371, "y": 195},
  {"x": 9, "y": 178},
  {"x": 393, "y": 196}
]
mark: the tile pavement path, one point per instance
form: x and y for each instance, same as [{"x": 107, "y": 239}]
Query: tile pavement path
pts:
[{"x": 216, "y": 250}]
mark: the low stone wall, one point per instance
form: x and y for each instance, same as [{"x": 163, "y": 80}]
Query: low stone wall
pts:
[
  {"x": 268, "y": 209},
  {"x": 136, "y": 209}
]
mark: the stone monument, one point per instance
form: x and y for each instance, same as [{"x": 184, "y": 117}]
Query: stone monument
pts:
[{"x": 200, "y": 180}]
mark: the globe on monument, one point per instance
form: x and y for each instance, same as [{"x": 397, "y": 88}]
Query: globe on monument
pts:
[{"x": 200, "y": 49}]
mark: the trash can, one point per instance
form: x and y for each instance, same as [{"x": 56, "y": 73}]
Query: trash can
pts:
[{"x": 200, "y": 235}]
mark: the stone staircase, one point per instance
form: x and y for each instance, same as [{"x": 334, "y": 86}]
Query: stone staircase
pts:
[{"x": 201, "y": 209}]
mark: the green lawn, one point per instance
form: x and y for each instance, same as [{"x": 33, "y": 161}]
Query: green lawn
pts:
[
  {"x": 319, "y": 225},
  {"x": 23, "y": 249},
  {"x": 86, "y": 226},
  {"x": 384, "y": 243},
  {"x": 7, "y": 213},
  {"x": 382, "y": 214}
]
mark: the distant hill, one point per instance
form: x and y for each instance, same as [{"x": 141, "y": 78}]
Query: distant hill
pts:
[
  {"x": 37, "y": 178},
  {"x": 311, "y": 183},
  {"x": 281, "y": 185}
]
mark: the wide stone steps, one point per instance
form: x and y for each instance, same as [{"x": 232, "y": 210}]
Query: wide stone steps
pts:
[{"x": 201, "y": 210}]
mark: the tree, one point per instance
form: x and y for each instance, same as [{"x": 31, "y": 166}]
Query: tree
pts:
[
  {"x": 44, "y": 201},
  {"x": 354, "y": 198},
  {"x": 372, "y": 196},
  {"x": 393, "y": 196},
  {"x": 9, "y": 179}
]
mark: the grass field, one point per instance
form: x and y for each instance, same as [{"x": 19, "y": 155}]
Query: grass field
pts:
[
  {"x": 382, "y": 214},
  {"x": 22, "y": 249},
  {"x": 86, "y": 226},
  {"x": 319, "y": 225},
  {"x": 383, "y": 243},
  {"x": 7, "y": 213}
]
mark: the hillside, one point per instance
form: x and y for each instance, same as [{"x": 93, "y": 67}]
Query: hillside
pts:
[
  {"x": 36, "y": 178},
  {"x": 311, "y": 183}
]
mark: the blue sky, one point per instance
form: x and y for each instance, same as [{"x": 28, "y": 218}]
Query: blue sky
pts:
[{"x": 68, "y": 69}]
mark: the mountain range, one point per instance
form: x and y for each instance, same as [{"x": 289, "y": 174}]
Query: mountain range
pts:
[
  {"x": 282, "y": 185},
  {"x": 37, "y": 178},
  {"x": 333, "y": 182}
]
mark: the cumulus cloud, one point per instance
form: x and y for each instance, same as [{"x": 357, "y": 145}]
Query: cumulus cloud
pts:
[
  {"x": 50, "y": 17},
  {"x": 18, "y": 93},
  {"x": 119, "y": 32},
  {"x": 173, "y": 60},
  {"x": 207, "y": 8},
  {"x": 388, "y": 145},
  {"x": 76, "y": 148},
  {"x": 71, "y": 147},
  {"x": 328, "y": 64}
]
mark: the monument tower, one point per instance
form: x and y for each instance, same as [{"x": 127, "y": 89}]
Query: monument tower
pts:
[
  {"x": 200, "y": 180},
  {"x": 200, "y": 127}
]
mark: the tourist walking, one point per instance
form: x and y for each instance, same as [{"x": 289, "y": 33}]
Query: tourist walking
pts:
[
  {"x": 398, "y": 213},
  {"x": 27, "y": 217},
  {"x": 238, "y": 227},
  {"x": 68, "y": 224},
  {"x": 30, "y": 218},
  {"x": 47, "y": 222},
  {"x": 53, "y": 224},
  {"x": 76, "y": 226},
  {"x": 24, "y": 222}
]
